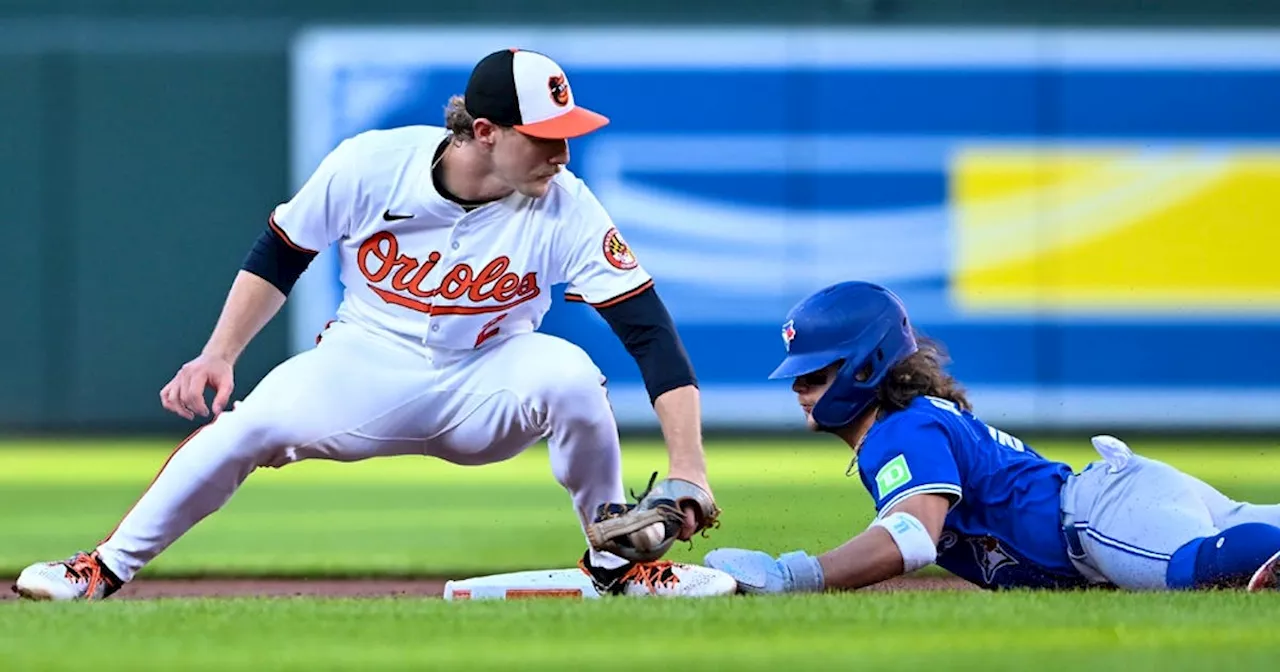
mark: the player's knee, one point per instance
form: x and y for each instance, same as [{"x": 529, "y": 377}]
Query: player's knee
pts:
[
  {"x": 254, "y": 439},
  {"x": 1225, "y": 560},
  {"x": 576, "y": 394}
]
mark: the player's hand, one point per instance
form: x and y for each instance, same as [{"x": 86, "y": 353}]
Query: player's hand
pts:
[
  {"x": 644, "y": 531},
  {"x": 184, "y": 394},
  {"x": 758, "y": 572},
  {"x": 690, "y": 526}
]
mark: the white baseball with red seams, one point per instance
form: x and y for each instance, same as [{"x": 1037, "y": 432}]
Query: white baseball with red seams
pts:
[{"x": 434, "y": 350}]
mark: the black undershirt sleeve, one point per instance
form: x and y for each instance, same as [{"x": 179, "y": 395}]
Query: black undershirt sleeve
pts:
[
  {"x": 277, "y": 261},
  {"x": 645, "y": 328}
]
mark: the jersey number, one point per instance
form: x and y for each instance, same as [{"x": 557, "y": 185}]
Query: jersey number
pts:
[
  {"x": 1000, "y": 436},
  {"x": 489, "y": 330},
  {"x": 1006, "y": 439}
]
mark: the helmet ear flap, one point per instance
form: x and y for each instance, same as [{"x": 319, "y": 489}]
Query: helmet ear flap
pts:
[
  {"x": 868, "y": 369},
  {"x": 857, "y": 382},
  {"x": 851, "y": 392}
]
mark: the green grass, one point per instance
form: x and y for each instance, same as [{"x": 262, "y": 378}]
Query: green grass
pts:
[
  {"x": 409, "y": 515},
  {"x": 960, "y": 631},
  {"x": 420, "y": 516}
]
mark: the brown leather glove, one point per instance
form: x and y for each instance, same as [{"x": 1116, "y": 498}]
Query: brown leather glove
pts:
[{"x": 644, "y": 531}]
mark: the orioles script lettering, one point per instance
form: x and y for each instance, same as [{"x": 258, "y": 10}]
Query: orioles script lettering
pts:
[{"x": 380, "y": 259}]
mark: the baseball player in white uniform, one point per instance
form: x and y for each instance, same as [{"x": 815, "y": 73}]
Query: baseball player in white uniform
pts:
[{"x": 449, "y": 240}]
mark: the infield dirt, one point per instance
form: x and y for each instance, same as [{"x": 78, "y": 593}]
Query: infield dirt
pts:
[{"x": 144, "y": 589}]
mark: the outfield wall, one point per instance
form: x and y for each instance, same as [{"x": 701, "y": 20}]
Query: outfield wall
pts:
[
  {"x": 1085, "y": 219},
  {"x": 1083, "y": 216}
]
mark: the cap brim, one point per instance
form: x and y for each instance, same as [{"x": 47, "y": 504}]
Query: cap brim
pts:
[{"x": 576, "y": 122}]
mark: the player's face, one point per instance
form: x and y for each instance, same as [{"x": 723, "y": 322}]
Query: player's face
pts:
[
  {"x": 810, "y": 387},
  {"x": 527, "y": 163}
]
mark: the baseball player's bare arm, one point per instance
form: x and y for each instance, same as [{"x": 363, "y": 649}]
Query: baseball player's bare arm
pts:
[
  {"x": 873, "y": 556},
  {"x": 251, "y": 303},
  {"x": 680, "y": 414}
]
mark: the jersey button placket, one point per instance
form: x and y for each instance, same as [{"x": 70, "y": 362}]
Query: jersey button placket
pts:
[
  {"x": 458, "y": 225},
  {"x": 457, "y": 230},
  {"x": 454, "y": 244}
]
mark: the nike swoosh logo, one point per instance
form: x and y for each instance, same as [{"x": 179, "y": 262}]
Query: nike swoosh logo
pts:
[{"x": 387, "y": 216}]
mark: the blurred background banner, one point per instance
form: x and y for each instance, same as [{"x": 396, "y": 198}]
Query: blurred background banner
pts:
[
  {"x": 1078, "y": 197},
  {"x": 1087, "y": 218}
]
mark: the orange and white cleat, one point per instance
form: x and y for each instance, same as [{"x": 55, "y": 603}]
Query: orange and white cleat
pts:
[
  {"x": 80, "y": 577},
  {"x": 659, "y": 579}
]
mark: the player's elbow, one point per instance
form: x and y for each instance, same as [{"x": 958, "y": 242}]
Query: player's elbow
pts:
[
  {"x": 930, "y": 509},
  {"x": 915, "y": 544}
]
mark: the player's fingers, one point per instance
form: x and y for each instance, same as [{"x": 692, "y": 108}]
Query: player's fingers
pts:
[
  {"x": 193, "y": 393},
  {"x": 169, "y": 397},
  {"x": 224, "y": 385},
  {"x": 690, "y": 525}
]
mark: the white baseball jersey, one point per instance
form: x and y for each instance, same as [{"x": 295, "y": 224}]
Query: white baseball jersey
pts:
[{"x": 418, "y": 265}]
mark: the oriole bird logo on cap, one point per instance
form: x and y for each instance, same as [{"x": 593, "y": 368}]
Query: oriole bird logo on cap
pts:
[{"x": 559, "y": 90}]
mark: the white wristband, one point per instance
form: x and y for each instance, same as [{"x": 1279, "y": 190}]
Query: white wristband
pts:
[{"x": 913, "y": 540}]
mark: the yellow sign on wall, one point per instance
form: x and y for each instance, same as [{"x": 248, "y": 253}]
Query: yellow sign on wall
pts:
[{"x": 1133, "y": 229}]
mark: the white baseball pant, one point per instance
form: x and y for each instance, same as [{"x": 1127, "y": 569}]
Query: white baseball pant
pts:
[{"x": 359, "y": 394}]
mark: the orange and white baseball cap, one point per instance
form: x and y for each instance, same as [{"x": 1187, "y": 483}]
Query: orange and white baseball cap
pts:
[{"x": 527, "y": 91}]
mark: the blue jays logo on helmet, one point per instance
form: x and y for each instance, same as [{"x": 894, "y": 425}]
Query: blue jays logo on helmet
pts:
[
  {"x": 861, "y": 324},
  {"x": 788, "y": 333}
]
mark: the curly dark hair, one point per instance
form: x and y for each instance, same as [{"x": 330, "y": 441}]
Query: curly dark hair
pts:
[{"x": 923, "y": 373}]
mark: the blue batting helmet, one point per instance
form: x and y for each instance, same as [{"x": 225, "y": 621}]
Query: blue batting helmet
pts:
[{"x": 863, "y": 324}]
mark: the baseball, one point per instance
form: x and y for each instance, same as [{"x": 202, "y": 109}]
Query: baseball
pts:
[{"x": 649, "y": 538}]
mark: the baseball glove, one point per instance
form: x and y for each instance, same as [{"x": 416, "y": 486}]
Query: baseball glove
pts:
[{"x": 644, "y": 531}]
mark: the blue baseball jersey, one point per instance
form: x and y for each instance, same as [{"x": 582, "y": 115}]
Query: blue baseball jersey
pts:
[{"x": 1004, "y": 529}]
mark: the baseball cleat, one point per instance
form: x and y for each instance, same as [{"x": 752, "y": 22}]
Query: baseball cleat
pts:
[
  {"x": 80, "y": 577},
  {"x": 660, "y": 578},
  {"x": 1267, "y": 577}
]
